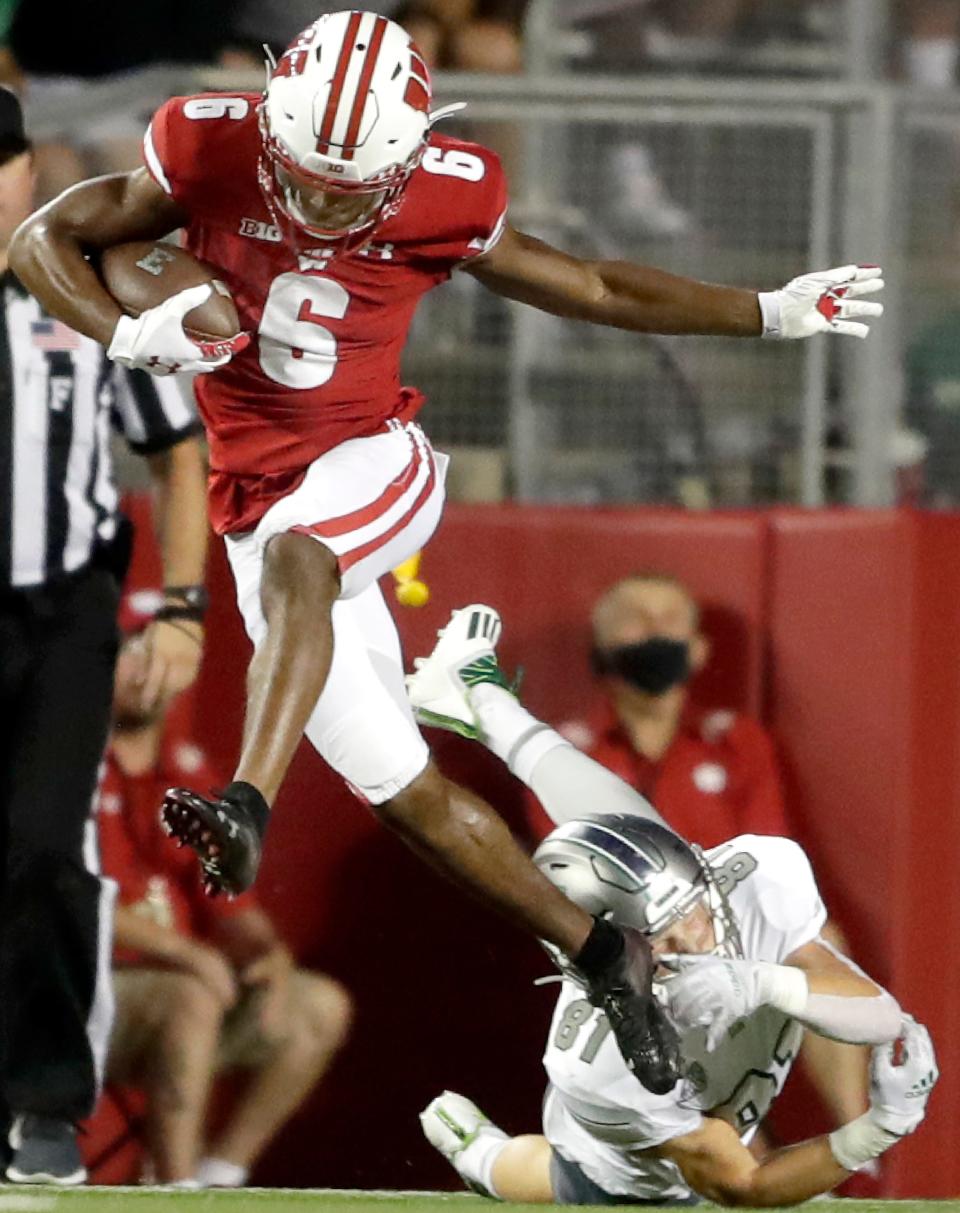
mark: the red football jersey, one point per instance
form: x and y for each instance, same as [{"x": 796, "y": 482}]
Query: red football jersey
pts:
[{"x": 328, "y": 332}]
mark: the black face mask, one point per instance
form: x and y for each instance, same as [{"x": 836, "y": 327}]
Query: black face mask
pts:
[{"x": 653, "y": 666}]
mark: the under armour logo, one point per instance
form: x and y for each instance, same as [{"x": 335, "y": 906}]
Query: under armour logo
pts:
[{"x": 383, "y": 252}]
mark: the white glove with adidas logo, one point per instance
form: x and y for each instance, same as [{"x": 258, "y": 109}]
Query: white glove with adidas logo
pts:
[{"x": 902, "y": 1076}]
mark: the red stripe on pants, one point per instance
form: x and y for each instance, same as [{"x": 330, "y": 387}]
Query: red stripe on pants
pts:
[
  {"x": 332, "y": 528},
  {"x": 349, "y": 559}
]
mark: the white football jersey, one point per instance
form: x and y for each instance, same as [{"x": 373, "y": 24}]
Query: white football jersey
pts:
[{"x": 597, "y": 1114}]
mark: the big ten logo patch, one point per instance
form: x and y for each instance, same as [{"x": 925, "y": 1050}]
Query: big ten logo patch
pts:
[{"x": 256, "y": 229}]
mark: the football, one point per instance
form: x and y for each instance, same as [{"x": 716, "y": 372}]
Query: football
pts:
[{"x": 145, "y": 273}]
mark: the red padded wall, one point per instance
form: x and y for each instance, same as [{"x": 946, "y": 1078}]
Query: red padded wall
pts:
[
  {"x": 839, "y": 627},
  {"x": 839, "y": 701},
  {"x": 543, "y": 568},
  {"x": 925, "y": 892}
]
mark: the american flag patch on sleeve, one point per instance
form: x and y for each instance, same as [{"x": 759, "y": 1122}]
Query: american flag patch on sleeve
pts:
[{"x": 53, "y": 335}]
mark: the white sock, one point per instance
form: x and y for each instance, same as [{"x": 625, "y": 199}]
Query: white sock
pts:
[
  {"x": 570, "y": 784},
  {"x": 510, "y": 731},
  {"x": 476, "y": 1161},
  {"x": 566, "y": 782},
  {"x": 218, "y": 1173},
  {"x": 932, "y": 62}
]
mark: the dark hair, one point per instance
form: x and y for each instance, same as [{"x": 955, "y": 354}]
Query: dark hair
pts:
[
  {"x": 12, "y": 146},
  {"x": 13, "y": 139}
]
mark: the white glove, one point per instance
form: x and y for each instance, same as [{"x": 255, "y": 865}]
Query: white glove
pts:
[
  {"x": 902, "y": 1075},
  {"x": 823, "y": 302},
  {"x": 156, "y": 342},
  {"x": 713, "y": 992}
]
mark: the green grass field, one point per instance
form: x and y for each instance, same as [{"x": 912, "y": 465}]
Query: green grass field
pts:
[{"x": 146, "y": 1200}]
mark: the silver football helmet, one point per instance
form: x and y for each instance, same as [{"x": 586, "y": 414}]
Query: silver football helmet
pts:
[{"x": 636, "y": 873}]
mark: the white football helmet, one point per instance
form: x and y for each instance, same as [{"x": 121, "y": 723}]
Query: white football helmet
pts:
[
  {"x": 344, "y": 121},
  {"x": 636, "y": 873}
]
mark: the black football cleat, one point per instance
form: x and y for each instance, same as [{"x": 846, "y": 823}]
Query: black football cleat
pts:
[
  {"x": 223, "y": 834},
  {"x": 646, "y": 1037}
]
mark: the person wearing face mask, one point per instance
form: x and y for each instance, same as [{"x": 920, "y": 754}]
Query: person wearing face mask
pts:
[{"x": 712, "y": 774}]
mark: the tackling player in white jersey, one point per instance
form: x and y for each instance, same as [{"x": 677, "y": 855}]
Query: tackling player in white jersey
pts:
[{"x": 742, "y": 970}]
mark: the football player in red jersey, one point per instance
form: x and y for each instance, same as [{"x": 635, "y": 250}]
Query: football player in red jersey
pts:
[{"x": 329, "y": 206}]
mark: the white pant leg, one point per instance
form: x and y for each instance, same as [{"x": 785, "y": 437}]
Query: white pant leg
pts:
[
  {"x": 362, "y": 724},
  {"x": 373, "y": 502}
]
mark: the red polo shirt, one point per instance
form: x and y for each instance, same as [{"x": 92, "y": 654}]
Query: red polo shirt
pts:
[
  {"x": 718, "y": 778},
  {"x": 155, "y": 878}
]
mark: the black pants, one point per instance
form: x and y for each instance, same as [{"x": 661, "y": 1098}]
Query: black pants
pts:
[{"x": 57, "y": 653}]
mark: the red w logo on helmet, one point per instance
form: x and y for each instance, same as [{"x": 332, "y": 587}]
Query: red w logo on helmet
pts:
[
  {"x": 294, "y": 58},
  {"x": 417, "y": 92}
]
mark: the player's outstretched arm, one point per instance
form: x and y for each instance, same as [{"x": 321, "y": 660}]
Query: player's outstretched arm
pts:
[
  {"x": 816, "y": 986},
  {"x": 647, "y": 300},
  {"x": 717, "y": 1165},
  {"x": 47, "y": 252}
]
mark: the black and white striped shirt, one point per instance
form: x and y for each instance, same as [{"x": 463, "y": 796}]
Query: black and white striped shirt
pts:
[{"x": 60, "y": 398}]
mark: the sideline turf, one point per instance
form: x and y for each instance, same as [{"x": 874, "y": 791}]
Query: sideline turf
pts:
[{"x": 256, "y": 1200}]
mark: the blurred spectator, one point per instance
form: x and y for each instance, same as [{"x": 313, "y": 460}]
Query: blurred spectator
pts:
[
  {"x": 256, "y": 24},
  {"x": 101, "y": 40},
  {"x": 202, "y": 987},
  {"x": 630, "y": 33},
  {"x": 932, "y": 409},
  {"x": 931, "y": 33},
  {"x": 465, "y": 35},
  {"x": 711, "y": 774}
]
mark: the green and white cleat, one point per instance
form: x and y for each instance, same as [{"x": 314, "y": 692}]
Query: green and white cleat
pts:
[
  {"x": 462, "y": 658},
  {"x": 450, "y": 1123}
]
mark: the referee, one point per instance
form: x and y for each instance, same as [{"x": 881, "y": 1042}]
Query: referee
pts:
[{"x": 63, "y": 551}]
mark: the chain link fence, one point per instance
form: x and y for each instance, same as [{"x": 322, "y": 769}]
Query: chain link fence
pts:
[
  {"x": 725, "y": 190},
  {"x": 930, "y": 328},
  {"x": 742, "y": 181}
]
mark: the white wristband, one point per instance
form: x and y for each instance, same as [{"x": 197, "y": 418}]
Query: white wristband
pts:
[
  {"x": 784, "y": 987},
  {"x": 770, "y": 312},
  {"x": 123, "y": 338},
  {"x": 855, "y": 1144}
]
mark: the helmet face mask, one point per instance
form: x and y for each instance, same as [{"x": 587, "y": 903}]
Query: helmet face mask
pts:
[
  {"x": 637, "y": 874},
  {"x": 325, "y": 209},
  {"x": 344, "y": 122}
]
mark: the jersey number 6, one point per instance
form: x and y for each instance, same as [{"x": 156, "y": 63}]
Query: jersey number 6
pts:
[{"x": 295, "y": 347}]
